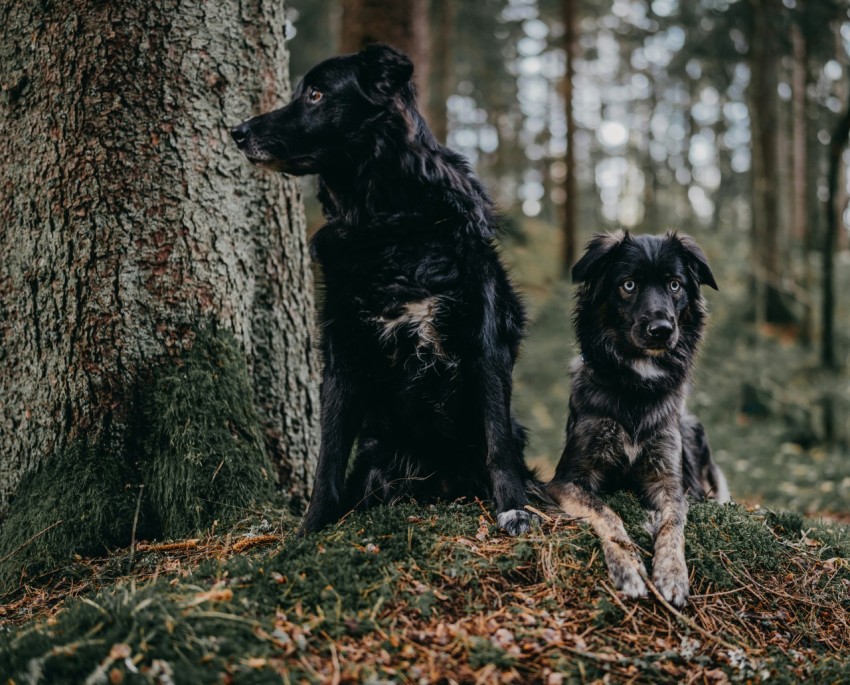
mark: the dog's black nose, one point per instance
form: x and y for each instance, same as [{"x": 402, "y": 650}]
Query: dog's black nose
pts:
[
  {"x": 660, "y": 329},
  {"x": 239, "y": 134}
]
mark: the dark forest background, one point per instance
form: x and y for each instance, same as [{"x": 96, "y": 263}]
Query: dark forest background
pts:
[{"x": 727, "y": 120}]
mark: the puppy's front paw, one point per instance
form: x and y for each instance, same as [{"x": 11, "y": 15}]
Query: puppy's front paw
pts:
[
  {"x": 516, "y": 521},
  {"x": 671, "y": 579},
  {"x": 626, "y": 570}
]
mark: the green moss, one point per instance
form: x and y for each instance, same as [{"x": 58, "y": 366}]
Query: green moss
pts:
[
  {"x": 724, "y": 541},
  {"x": 81, "y": 501},
  {"x": 196, "y": 445},
  {"x": 203, "y": 455},
  {"x": 192, "y": 644}
]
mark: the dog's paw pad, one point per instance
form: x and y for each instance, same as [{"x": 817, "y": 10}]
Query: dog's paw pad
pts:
[
  {"x": 625, "y": 569},
  {"x": 674, "y": 587},
  {"x": 515, "y": 521},
  {"x": 628, "y": 581}
]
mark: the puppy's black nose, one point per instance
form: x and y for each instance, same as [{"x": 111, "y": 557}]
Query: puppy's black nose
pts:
[
  {"x": 660, "y": 329},
  {"x": 240, "y": 134}
]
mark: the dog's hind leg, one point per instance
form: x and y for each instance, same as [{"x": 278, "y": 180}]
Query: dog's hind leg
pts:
[
  {"x": 625, "y": 567},
  {"x": 368, "y": 484},
  {"x": 341, "y": 417},
  {"x": 702, "y": 476}
]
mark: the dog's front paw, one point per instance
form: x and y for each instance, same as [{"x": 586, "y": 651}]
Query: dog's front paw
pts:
[
  {"x": 626, "y": 570},
  {"x": 672, "y": 583},
  {"x": 516, "y": 521}
]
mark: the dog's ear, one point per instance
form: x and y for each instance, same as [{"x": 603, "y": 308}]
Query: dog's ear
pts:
[
  {"x": 596, "y": 254},
  {"x": 384, "y": 70},
  {"x": 697, "y": 261}
]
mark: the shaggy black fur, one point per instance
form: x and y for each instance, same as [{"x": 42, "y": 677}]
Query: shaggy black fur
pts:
[
  {"x": 639, "y": 319},
  {"x": 421, "y": 326}
]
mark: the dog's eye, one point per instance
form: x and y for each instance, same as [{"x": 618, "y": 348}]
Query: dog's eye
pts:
[
  {"x": 629, "y": 286},
  {"x": 313, "y": 95},
  {"x": 674, "y": 285}
]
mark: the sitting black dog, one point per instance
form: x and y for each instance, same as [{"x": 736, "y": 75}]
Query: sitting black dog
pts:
[
  {"x": 639, "y": 320},
  {"x": 421, "y": 326}
]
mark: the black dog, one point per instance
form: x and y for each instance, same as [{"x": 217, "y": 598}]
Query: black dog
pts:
[
  {"x": 639, "y": 319},
  {"x": 421, "y": 326}
]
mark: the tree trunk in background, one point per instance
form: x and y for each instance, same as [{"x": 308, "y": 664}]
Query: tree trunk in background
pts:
[
  {"x": 800, "y": 171},
  {"x": 570, "y": 12},
  {"x": 404, "y": 24},
  {"x": 834, "y": 211},
  {"x": 442, "y": 72},
  {"x": 128, "y": 220},
  {"x": 764, "y": 109}
]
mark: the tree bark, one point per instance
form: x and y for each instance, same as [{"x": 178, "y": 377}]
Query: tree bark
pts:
[
  {"x": 801, "y": 230},
  {"x": 128, "y": 220},
  {"x": 570, "y": 230},
  {"x": 764, "y": 108},
  {"x": 838, "y": 143},
  {"x": 404, "y": 24},
  {"x": 443, "y": 68}
]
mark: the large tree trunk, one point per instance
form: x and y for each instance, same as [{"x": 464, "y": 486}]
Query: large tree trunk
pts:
[
  {"x": 130, "y": 225},
  {"x": 404, "y": 24}
]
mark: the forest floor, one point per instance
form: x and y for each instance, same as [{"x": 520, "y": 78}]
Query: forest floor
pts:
[{"x": 437, "y": 594}]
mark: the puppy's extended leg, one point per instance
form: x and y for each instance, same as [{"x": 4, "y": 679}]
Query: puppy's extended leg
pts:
[
  {"x": 668, "y": 512},
  {"x": 625, "y": 567},
  {"x": 340, "y": 421}
]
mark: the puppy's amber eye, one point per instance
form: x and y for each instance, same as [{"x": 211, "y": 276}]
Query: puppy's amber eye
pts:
[
  {"x": 674, "y": 285},
  {"x": 314, "y": 95},
  {"x": 629, "y": 286}
]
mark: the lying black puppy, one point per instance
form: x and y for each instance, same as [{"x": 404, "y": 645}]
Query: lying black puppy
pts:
[
  {"x": 421, "y": 326},
  {"x": 639, "y": 320}
]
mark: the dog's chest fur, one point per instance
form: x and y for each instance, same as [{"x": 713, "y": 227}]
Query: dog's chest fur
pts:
[
  {"x": 395, "y": 299},
  {"x": 622, "y": 426}
]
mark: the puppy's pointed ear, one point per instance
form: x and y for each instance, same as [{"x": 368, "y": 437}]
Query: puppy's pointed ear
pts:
[
  {"x": 383, "y": 70},
  {"x": 595, "y": 258},
  {"x": 697, "y": 261}
]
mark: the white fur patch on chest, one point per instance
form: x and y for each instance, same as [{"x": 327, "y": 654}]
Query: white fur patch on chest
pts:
[
  {"x": 646, "y": 368},
  {"x": 417, "y": 318},
  {"x": 631, "y": 449}
]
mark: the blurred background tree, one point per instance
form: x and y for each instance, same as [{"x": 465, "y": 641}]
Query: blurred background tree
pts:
[{"x": 725, "y": 119}]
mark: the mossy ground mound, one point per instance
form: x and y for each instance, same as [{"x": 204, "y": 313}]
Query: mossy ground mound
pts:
[
  {"x": 409, "y": 593},
  {"x": 47, "y": 524},
  {"x": 195, "y": 446}
]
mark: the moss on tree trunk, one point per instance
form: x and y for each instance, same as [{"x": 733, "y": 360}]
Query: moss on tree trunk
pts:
[{"x": 195, "y": 455}]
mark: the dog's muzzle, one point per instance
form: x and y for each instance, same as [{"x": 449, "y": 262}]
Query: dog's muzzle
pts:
[
  {"x": 659, "y": 331},
  {"x": 240, "y": 134},
  {"x": 246, "y": 141}
]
